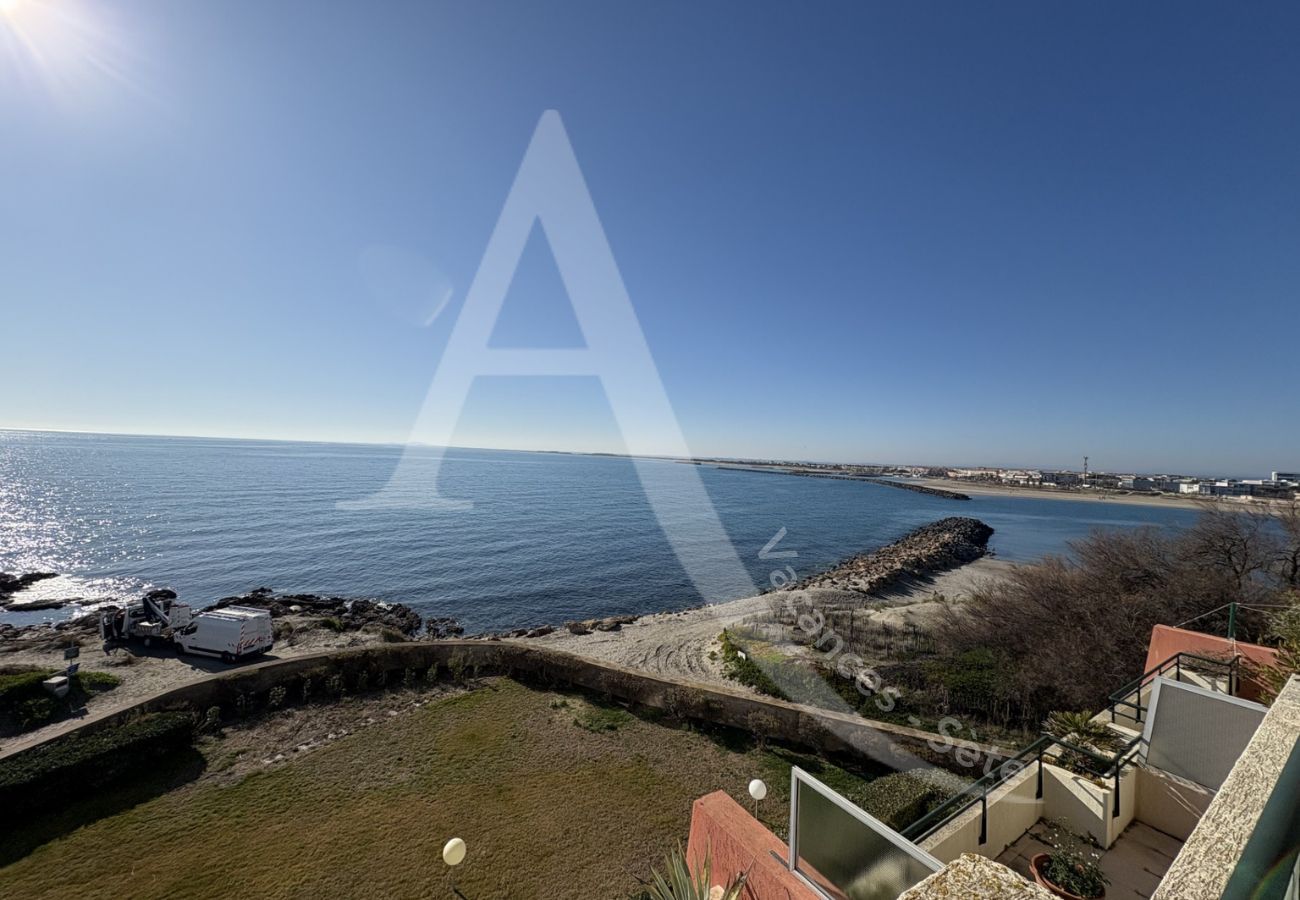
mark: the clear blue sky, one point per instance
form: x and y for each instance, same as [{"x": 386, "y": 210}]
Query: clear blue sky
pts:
[{"x": 964, "y": 233}]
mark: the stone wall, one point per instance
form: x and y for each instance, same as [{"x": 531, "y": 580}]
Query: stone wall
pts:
[{"x": 830, "y": 734}]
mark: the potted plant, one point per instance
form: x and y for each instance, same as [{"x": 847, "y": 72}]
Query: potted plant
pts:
[
  {"x": 1082, "y": 730},
  {"x": 1071, "y": 869}
]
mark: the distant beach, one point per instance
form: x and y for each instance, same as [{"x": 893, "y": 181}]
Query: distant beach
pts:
[{"x": 984, "y": 489}]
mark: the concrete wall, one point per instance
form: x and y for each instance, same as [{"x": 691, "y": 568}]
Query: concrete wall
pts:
[
  {"x": 1077, "y": 803},
  {"x": 1012, "y": 810},
  {"x": 1170, "y": 804},
  {"x": 1086, "y": 807}
]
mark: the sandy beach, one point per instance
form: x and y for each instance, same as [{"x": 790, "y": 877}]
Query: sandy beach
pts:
[
  {"x": 983, "y": 489},
  {"x": 679, "y": 643}
]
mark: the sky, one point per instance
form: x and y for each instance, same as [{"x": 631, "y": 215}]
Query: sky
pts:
[{"x": 998, "y": 234}]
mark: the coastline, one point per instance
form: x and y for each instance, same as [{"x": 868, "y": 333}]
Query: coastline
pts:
[
  {"x": 685, "y": 644},
  {"x": 982, "y": 489}
]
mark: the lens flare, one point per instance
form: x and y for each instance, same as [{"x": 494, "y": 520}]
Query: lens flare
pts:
[{"x": 60, "y": 46}]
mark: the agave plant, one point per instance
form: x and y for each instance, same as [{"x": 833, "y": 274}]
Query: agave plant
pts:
[
  {"x": 1081, "y": 729},
  {"x": 677, "y": 882}
]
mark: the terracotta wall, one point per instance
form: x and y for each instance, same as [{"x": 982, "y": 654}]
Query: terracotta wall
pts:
[
  {"x": 736, "y": 843},
  {"x": 1167, "y": 641}
]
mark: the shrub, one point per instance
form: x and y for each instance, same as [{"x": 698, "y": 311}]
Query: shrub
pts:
[
  {"x": 456, "y": 667},
  {"x": 601, "y": 718},
  {"x": 332, "y": 623},
  {"x": 900, "y": 799},
  {"x": 25, "y": 704},
  {"x": 73, "y": 766},
  {"x": 211, "y": 720},
  {"x": 276, "y": 697},
  {"x": 391, "y": 636},
  {"x": 97, "y": 682},
  {"x": 737, "y": 666},
  {"x": 1106, "y": 597}
]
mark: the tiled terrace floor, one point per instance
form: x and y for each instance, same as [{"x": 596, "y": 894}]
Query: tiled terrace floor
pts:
[{"x": 1134, "y": 864}]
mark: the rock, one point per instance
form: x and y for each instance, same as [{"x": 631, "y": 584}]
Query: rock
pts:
[
  {"x": 442, "y": 627},
  {"x": 36, "y": 605},
  {"x": 539, "y": 632},
  {"x": 352, "y": 614},
  {"x": 612, "y": 623},
  {"x": 577, "y": 628},
  {"x": 931, "y": 548},
  {"x": 12, "y": 584}
]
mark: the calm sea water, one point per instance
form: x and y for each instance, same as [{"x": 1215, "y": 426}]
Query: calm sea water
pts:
[{"x": 551, "y": 537}]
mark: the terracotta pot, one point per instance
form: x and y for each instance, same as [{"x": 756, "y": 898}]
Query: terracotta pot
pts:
[{"x": 1037, "y": 864}]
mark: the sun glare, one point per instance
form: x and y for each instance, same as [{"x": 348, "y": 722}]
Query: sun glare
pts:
[{"x": 62, "y": 46}]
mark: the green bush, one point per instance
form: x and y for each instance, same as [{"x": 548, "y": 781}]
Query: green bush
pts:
[
  {"x": 72, "y": 766},
  {"x": 900, "y": 799},
  {"x": 332, "y": 623},
  {"x": 741, "y": 668},
  {"x": 25, "y": 704},
  {"x": 96, "y": 682}
]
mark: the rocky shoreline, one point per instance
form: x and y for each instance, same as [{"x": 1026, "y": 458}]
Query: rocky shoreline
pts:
[
  {"x": 932, "y": 548},
  {"x": 14, "y": 584},
  {"x": 340, "y": 614}
]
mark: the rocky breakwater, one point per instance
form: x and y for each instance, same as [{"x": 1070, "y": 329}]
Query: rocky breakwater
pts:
[
  {"x": 922, "y": 489},
  {"x": 932, "y": 548},
  {"x": 346, "y": 614}
]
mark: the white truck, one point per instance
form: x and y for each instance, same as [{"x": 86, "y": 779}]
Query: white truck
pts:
[{"x": 231, "y": 633}]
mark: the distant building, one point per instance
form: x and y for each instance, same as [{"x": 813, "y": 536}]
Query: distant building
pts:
[
  {"x": 1103, "y": 480},
  {"x": 1255, "y": 487},
  {"x": 1062, "y": 479},
  {"x": 1289, "y": 477}
]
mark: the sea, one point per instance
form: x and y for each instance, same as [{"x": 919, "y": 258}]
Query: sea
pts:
[{"x": 537, "y": 537}]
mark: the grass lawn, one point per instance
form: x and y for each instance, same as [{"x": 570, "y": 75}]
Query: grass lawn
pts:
[{"x": 555, "y": 796}]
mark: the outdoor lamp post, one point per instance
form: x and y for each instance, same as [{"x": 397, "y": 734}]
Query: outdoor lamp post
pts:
[
  {"x": 757, "y": 790},
  {"x": 453, "y": 854}
]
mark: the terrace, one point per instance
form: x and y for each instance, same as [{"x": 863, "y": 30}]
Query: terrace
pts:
[{"x": 1180, "y": 732}]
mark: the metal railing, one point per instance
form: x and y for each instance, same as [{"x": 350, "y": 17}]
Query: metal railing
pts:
[
  {"x": 1098, "y": 764},
  {"x": 1129, "y": 697},
  {"x": 1101, "y": 766}
]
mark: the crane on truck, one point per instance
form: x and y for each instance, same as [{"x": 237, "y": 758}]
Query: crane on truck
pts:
[{"x": 231, "y": 633}]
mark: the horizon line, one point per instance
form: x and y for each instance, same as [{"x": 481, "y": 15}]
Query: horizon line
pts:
[{"x": 624, "y": 455}]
